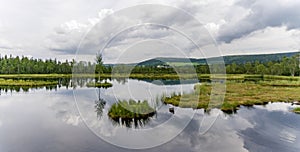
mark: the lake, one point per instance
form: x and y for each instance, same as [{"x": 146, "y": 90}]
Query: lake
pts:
[{"x": 68, "y": 119}]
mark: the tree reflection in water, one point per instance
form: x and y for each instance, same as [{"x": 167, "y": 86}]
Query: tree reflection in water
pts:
[
  {"x": 99, "y": 105},
  {"x": 61, "y": 82}
]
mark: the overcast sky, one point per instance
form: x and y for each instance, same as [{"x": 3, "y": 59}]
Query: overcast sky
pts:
[{"x": 54, "y": 28}]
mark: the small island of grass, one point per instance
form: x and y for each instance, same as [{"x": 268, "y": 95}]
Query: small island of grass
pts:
[
  {"x": 99, "y": 84},
  {"x": 297, "y": 110},
  {"x": 131, "y": 109}
]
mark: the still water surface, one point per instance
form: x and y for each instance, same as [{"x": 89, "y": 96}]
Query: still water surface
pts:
[{"x": 51, "y": 121}]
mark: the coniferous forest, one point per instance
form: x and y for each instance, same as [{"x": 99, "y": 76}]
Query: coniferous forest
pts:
[
  {"x": 25, "y": 65},
  {"x": 288, "y": 66}
]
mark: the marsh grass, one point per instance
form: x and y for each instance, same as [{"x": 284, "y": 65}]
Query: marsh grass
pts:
[
  {"x": 32, "y": 76},
  {"x": 297, "y": 110},
  {"x": 281, "y": 83},
  {"x": 11, "y": 82},
  {"x": 49, "y": 76},
  {"x": 131, "y": 110},
  {"x": 237, "y": 94},
  {"x": 131, "y": 113},
  {"x": 99, "y": 84}
]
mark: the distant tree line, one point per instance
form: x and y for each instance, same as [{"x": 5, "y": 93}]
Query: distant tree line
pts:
[
  {"x": 25, "y": 65},
  {"x": 288, "y": 66}
]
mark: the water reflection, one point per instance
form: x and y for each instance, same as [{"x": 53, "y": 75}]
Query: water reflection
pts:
[
  {"x": 61, "y": 82},
  {"x": 131, "y": 122},
  {"x": 49, "y": 121},
  {"x": 170, "y": 82},
  {"x": 7, "y": 89},
  {"x": 99, "y": 105},
  {"x": 121, "y": 80},
  {"x": 274, "y": 129}
]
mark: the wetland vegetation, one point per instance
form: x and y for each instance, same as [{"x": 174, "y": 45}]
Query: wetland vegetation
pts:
[
  {"x": 99, "y": 84},
  {"x": 297, "y": 110},
  {"x": 11, "y": 82},
  {"x": 237, "y": 94},
  {"x": 131, "y": 111}
]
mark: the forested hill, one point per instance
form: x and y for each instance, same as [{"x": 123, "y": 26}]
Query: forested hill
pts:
[
  {"x": 262, "y": 58},
  {"x": 162, "y": 61},
  {"x": 238, "y": 59}
]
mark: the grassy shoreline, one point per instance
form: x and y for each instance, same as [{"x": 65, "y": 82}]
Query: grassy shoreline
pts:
[
  {"x": 33, "y": 76},
  {"x": 237, "y": 94},
  {"x": 10, "y": 82}
]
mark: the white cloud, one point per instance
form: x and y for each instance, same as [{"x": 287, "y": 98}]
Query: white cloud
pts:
[
  {"x": 45, "y": 26},
  {"x": 285, "y": 107},
  {"x": 68, "y": 35},
  {"x": 5, "y": 44},
  {"x": 213, "y": 28},
  {"x": 263, "y": 14},
  {"x": 271, "y": 39},
  {"x": 129, "y": 26}
]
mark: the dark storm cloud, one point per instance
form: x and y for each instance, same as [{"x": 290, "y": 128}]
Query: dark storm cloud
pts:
[{"x": 262, "y": 14}]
